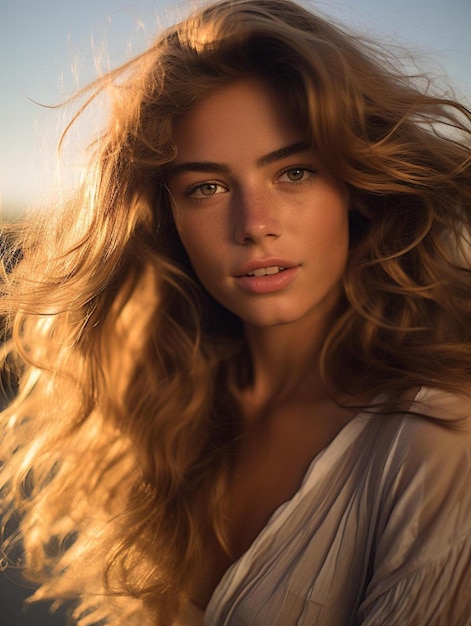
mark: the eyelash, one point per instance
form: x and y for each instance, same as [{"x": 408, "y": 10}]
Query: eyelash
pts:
[
  {"x": 304, "y": 168},
  {"x": 191, "y": 190},
  {"x": 307, "y": 169}
]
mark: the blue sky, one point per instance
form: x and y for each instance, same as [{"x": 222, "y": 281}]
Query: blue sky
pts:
[{"x": 47, "y": 47}]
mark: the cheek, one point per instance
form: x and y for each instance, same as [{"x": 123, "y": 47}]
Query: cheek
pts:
[
  {"x": 199, "y": 246},
  {"x": 331, "y": 240},
  {"x": 331, "y": 225},
  {"x": 184, "y": 228},
  {"x": 201, "y": 232}
]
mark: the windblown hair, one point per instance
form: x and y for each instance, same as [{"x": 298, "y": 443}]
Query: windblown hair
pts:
[{"x": 118, "y": 447}]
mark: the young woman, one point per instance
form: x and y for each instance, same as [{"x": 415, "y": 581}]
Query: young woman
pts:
[{"x": 244, "y": 346}]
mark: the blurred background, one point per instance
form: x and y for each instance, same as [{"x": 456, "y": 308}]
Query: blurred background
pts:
[{"x": 48, "y": 49}]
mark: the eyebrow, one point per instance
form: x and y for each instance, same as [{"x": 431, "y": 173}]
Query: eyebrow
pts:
[{"x": 208, "y": 167}]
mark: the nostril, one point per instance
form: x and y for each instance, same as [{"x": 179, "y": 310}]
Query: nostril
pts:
[{"x": 252, "y": 233}]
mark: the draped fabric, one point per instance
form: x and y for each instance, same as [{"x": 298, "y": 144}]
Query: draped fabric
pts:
[{"x": 379, "y": 533}]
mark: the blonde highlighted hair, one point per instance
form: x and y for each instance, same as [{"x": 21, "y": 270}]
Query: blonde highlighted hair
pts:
[{"x": 118, "y": 447}]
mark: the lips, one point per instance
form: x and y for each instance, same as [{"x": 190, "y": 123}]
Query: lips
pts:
[
  {"x": 266, "y": 271},
  {"x": 264, "y": 267},
  {"x": 266, "y": 276}
]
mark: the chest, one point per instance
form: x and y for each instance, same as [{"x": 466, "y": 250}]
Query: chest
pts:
[{"x": 272, "y": 462}]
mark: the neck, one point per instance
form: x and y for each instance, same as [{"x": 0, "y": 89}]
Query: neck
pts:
[{"x": 286, "y": 363}]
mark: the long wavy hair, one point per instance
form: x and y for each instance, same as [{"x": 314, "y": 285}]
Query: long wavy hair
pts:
[{"x": 118, "y": 447}]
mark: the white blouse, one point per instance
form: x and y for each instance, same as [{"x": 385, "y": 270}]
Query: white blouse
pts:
[{"x": 379, "y": 532}]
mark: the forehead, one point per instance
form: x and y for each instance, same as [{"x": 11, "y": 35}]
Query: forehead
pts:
[{"x": 238, "y": 120}]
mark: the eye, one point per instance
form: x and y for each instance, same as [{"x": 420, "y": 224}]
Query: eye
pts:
[
  {"x": 206, "y": 190},
  {"x": 296, "y": 174}
]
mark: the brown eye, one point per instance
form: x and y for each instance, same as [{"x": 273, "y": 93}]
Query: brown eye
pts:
[
  {"x": 209, "y": 189},
  {"x": 296, "y": 174},
  {"x": 206, "y": 190}
]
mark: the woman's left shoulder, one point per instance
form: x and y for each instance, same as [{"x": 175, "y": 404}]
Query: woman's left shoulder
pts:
[
  {"x": 436, "y": 423},
  {"x": 439, "y": 434},
  {"x": 423, "y": 533},
  {"x": 453, "y": 409},
  {"x": 427, "y": 478},
  {"x": 433, "y": 442}
]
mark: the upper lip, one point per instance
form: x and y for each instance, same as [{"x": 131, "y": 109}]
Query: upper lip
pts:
[{"x": 250, "y": 266}]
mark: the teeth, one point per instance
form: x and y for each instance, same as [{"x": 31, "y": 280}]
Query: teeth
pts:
[{"x": 264, "y": 271}]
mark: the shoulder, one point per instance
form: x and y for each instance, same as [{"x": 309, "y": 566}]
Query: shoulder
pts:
[
  {"x": 438, "y": 443},
  {"x": 423, "y": 526},
  {"x": 449, "y": 408},
  {"x": 433, "y": 435},
  {"x": 429, "y": 444},
  {"x": 425, "y": 493},
  {"x": 428, "y": 465}
]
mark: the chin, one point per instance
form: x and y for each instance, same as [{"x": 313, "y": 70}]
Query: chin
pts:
[{"x": 269, "y": 319}]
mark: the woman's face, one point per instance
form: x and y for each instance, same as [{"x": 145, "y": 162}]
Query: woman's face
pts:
[{"x": 263, "y": 223}]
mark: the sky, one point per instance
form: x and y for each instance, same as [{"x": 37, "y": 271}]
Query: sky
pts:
[{"x": 49, "y": 48}]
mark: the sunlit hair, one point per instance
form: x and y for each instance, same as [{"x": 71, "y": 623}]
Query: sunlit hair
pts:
[{"x": 119, "y": 446}]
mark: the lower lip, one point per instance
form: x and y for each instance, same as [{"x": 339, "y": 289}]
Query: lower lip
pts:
[{"x": 268, "y": 283}]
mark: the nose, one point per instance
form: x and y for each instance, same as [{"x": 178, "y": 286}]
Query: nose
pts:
[{"x": 255, "y": 217}]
